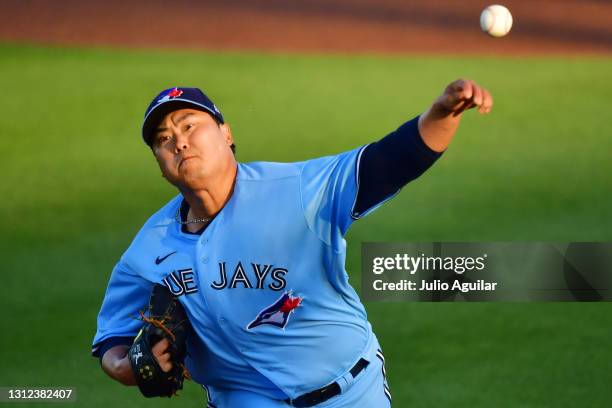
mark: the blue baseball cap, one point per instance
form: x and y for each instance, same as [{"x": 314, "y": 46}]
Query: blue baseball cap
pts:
[{"x": 173, "y": 99}]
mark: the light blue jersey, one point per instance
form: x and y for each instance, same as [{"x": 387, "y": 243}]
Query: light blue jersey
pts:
[{"x": 264, "y": 286}]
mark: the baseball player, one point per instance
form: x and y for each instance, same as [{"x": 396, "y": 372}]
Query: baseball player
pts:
[{"x": 255, "y": 254}]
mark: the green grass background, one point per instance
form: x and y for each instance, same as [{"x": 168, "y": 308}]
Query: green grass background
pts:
[{"x": 77, "y": 183}]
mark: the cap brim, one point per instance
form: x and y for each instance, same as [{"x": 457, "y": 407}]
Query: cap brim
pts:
[{"x": 155, "y": 115}]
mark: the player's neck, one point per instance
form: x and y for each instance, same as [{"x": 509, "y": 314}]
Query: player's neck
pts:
[{"x": 206, "y": 202}]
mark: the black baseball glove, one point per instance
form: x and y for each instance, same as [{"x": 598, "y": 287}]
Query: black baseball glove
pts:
[{"x": 166, "y": 319}]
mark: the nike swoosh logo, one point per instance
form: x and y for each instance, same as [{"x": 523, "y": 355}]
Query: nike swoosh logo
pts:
[{"x": 159, "y": 260}]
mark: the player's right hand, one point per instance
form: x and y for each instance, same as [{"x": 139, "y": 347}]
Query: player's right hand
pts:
[
  {"x": 161, "y": 353},
  {"x": 464, "y": 94}
]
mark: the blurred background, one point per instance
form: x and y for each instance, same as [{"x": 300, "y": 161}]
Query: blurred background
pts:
[
  {"x": 300, "y": 79},
  {"x": 346, "y": 26}
]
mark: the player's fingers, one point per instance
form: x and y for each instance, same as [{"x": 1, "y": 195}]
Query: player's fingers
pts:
[
  {"x": 453, "y": 100},
  {"x": 162, "y": 354},
  {"x": 454, "y": 91},
  {"x": 165, "y": 362},
  {"x": 160, "y": 347},
  {"x": 465, "y": 104},
  {"x": 467, "y": 89},
  {"x": 464, "y": 94},
  {"x": 477, "y": 95},
  {"x": 458, "y": 90},
  {"x": 487, "y": 103},
  {"x": 458, "y": 85}
]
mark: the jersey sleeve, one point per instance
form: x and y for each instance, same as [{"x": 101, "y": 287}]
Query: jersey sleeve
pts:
[
  {"x": 328, "y": 188},
  {"x": 127, "y": 294}
]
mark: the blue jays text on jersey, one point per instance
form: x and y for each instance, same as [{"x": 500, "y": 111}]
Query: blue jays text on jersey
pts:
[{"x": 264, "y": 285}]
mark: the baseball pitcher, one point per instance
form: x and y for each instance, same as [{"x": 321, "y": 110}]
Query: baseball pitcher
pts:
[{"x": 239, "y": 281}]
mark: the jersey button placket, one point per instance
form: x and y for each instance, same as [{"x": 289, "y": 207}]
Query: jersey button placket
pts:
[{"x": 202, "y": 250}]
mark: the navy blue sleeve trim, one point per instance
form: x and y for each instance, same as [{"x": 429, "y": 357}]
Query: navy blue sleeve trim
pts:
[
  {"x": 390, "y": 163},
  {"x": 101, "y": 348}
]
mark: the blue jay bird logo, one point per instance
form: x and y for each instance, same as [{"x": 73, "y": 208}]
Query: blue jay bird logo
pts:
[
  {"x": 278, "y": 313},
  {"x": 173, "y": 93}
]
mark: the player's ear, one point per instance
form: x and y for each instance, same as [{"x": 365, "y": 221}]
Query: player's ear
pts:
[{"x": 227, "y": 134}]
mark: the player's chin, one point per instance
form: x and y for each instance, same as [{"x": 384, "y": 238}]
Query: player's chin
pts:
[{"x": 193, "y": 178}]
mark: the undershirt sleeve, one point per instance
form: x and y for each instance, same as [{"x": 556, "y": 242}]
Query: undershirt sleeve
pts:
[
  {"x": 109, "y": 343},
  {"x": 389, "y": 164}
]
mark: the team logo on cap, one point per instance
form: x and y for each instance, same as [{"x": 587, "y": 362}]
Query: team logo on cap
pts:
[
  {"x": 173, "y": 93},
  {"x": 278, "y": 313}
]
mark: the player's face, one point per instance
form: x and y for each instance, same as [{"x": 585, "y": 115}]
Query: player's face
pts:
[{"x": 192, "y": 149}]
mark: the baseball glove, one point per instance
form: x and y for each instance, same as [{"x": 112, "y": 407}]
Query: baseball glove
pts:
[{"x": 166, "y": 319}]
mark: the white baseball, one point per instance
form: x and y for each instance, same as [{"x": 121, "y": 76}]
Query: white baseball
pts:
[{"x": 496, "y": 20}]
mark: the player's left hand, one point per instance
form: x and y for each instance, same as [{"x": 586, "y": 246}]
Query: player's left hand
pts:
[
  {"x": 161, "y": 352},
  {"x": 464, "y": 94}
]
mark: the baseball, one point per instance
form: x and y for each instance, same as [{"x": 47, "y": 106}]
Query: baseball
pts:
[{"x": 496, "y": 20}]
